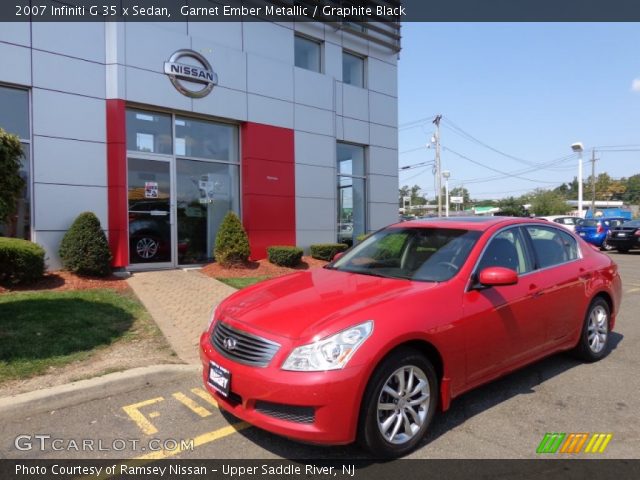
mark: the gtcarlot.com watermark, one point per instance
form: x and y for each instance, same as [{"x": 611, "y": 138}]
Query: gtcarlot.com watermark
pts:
[{"x": 46, "y": 442}]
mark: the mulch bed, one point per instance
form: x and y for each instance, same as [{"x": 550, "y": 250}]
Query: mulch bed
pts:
[
  {"x": 260, "y": 268},
  {"x": 61, "y": 281}
]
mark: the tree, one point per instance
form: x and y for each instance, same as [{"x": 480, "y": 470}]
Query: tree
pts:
[
  {"x": 511, "y": 207},
  {"x": 460, "y": 192},
  {"x": 632, "y": 191},
  {"x": 548, "y": 202},
  {"x": 11, "y": 183},
  {"x": 415, "y": 193}
]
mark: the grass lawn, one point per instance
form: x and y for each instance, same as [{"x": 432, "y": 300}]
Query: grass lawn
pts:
[
  {"x": 39, "y": 330},
  {"x": 242, "y": 282}
]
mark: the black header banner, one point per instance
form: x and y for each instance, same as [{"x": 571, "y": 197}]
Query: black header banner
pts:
[
  {"x": 319, "y": 469},
  {"x": 391, "y": 11}
]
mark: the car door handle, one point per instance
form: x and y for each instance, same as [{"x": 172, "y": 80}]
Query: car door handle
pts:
[{"x": 534, "y": 291}]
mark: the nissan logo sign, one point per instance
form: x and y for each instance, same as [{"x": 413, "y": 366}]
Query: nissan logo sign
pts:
[
  {"x": 181, "y": 74},
  {"x": 230, "y": 343}
]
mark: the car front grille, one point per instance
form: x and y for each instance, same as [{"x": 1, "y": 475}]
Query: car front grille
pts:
[
  {"x": 290, "y": 413},
  {"x": 242, "y": 347}
]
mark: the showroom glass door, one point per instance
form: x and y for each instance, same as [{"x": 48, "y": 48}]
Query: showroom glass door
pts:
[
  {"x": 149, "y": 201},
  {"x": 205, "y": 192}
]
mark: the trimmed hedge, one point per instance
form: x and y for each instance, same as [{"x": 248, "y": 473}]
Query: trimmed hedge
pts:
[
  {"x": 326, "y": 251},
  {"x": 284, "y": 255},
  {"x": 84, "y": 249},
  {"x": 232, "y": 242},
  {"x": 21, "y": 261}
]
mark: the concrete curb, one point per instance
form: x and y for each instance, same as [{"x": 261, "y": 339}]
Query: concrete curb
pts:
[{"x": 54, "y": 398}]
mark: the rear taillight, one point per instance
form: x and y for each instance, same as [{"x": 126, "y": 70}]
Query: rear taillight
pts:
[
  {"x": 599, "y": 228},
  {"x": 637, "y": 233}
]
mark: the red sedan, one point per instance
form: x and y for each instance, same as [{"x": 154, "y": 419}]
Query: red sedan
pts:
[{"x": 369, "y": 347}]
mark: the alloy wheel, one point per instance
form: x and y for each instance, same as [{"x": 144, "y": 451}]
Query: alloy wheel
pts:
[
  {"x": 146, "y": 248},
  {"x": 597, "y": 329},
  {"x": 403, "y": 404}
]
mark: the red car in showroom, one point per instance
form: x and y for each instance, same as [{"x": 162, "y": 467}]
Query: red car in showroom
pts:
[{"x": 369, "y": 347}]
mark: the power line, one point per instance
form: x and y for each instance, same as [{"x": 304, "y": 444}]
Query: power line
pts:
[
  {"x": 456, "y": 129},
  {"x": 503, "y": 173}
]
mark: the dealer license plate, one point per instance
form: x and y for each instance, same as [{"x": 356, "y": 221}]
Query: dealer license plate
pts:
[
  {"x": 621, "y": 235},
  {"x": 219, "y": 378},
  {"x": 582, "y": 234}
]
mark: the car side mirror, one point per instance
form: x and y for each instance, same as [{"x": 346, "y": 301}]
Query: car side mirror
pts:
[
  {"x": 337, "y": 256},
  {"x": 494, "y": 276}
]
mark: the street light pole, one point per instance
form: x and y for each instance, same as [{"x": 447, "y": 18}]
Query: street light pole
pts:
[
  {"x": 446, "y": 174},
  {"x": 578, "y": 148}
]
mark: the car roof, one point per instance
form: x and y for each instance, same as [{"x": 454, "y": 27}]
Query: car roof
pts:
[{"x": 465, "y": 223}]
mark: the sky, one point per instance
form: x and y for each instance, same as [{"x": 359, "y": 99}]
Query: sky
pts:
[{"x": 528, "y": 90}]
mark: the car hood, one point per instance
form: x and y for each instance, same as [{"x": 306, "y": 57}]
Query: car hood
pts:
[{"x": 313, "y": 303}]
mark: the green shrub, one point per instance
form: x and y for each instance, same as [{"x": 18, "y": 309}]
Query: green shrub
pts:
[
  {"x": 285, "y": 256},
  {"x": 232, "y": 243},
  {"x": 21, "y": 261},
  {"x": 84, "y": 248},
  {"x": 326, "y": 251}
]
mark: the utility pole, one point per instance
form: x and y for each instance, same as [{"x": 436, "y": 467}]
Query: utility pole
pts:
[
  {"x": 593, "y": 183},
  {"x": 436, "y": 121}
]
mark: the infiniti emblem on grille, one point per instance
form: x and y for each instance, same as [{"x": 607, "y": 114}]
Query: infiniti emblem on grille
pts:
[{"x": 230, "y": 343}]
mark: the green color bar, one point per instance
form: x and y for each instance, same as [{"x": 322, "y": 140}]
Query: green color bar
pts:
[
  {"x": 542, "y": 448},
  {"x": 551, "y": 442}
]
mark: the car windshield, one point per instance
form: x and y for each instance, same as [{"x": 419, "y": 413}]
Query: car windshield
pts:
[{"x": 424, "y": 254}]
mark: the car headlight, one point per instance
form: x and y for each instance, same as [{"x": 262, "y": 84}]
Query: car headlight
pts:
[{"x": 330, "y": 353}]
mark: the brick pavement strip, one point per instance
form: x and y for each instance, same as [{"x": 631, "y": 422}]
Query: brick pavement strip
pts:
[{"x": 179, "y": 302}]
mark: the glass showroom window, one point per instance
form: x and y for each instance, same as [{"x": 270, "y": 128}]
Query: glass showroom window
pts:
[
  {"x": 307, "y": 54},
  {"x": 351, "y": 192},
  {"x": 149, "y": 132},
  {"x": 353, "y": 69},
  {"x": 14, "y": 118}
]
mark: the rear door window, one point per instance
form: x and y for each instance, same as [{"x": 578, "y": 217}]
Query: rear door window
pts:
[{"x": 552, "y": 246}]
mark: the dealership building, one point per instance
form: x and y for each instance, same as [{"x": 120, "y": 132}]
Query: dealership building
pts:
[{"x": 160, "y": 129}]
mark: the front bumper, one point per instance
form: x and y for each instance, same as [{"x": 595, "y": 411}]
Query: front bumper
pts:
[{"x": 332, "y": 396}]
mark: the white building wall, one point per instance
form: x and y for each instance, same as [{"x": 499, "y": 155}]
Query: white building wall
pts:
[{"x": 72, "y": 68}]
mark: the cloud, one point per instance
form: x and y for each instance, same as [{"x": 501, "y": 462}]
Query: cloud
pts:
[{"x": 635, "y": 85}]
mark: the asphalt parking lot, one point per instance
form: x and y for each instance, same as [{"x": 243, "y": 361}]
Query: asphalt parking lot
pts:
[{"x": 505, "y": 419}]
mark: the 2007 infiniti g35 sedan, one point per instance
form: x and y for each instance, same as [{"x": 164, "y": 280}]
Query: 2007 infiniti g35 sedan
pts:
[{"x": 369, "y": 347}]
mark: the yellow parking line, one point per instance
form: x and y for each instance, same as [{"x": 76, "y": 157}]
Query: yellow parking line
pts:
[
  {"x": 197, "y": 441},
  {"x": 134, "y": 413},
  {"x": 191, "y": 405},
  {"x": 633, "y": 290},
  {"x": 206, "y": 396}
]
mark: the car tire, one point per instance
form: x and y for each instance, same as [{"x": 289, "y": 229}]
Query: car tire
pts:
[
  {"x": 594, "y": 337},
  {"x": 392, "y": 425},
  {"x": 606, "y": 246}
]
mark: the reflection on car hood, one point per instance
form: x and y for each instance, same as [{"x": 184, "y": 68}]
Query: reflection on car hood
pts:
[{"x": 307, "y": 303}]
